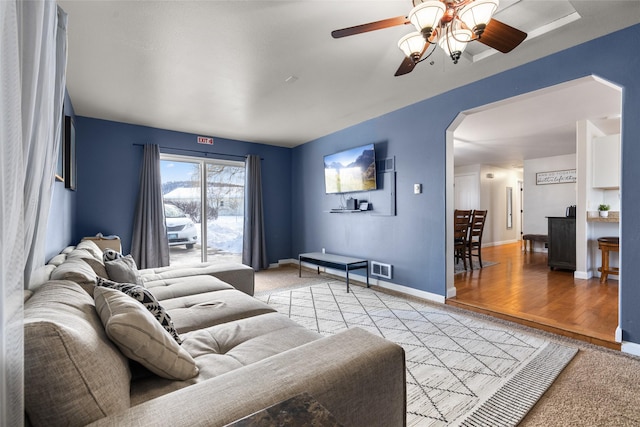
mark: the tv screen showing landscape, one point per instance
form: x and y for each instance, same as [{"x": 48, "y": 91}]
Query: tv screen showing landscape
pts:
[{"x": 350, "y": 170}]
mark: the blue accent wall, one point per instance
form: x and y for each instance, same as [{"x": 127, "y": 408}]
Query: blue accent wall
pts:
[
  {"x": 295, "y": 202},
  {"x": 62, "y": 211},
  {"x": 109, "y": 164},
  {"x": 414, "y": 240}
]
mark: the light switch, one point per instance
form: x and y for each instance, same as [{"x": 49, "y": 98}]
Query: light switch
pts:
[{"x": 417, "y": 188}]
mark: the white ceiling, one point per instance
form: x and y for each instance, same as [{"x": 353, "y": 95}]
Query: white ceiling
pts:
[
  {"x": 535, "y": 125},
  {"x": 268, "y": 71}
]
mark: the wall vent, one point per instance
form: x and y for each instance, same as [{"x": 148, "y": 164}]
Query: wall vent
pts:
[{"x": 380, "y": 269}]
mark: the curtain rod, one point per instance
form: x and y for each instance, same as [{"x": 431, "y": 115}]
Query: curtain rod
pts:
[{"x": 199, "y": 152}]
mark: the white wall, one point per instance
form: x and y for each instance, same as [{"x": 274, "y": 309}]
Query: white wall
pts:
[
  {"x": 542, "y": 201},
  {"x": 493, "y": 198},
  {"x": 466, "y": 187}
]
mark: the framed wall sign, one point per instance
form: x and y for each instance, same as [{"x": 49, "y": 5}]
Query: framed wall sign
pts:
[
  {"x": 69, "y": 150},
  {"x": 556, "y": 177}
]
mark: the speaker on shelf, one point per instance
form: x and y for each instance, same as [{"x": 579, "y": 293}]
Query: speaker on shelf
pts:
[{"x": 352, "y": 204}]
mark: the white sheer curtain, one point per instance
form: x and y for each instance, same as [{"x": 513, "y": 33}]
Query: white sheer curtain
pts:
[
  {"x": 44, "y": 59},
  {"x": 11, "y": 218},
  {"x": 30, "y": 106}
]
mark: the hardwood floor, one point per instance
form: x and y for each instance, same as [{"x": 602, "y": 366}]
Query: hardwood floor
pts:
[{"x": 523, "y": 289}]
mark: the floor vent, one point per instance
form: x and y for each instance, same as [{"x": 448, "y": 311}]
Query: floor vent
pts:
[{"x": 380, "y": 269}]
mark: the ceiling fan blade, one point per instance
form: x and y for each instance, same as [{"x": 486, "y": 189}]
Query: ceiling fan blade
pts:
[
  {"x": 409, "y": 63},
  {"x": 371, "y": 26},
  {"x": 407, "y": 66},
  {"x": 501, "y": 36}
]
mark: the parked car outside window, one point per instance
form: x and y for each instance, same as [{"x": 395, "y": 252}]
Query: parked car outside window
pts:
[{"x": 180, "y": 228}]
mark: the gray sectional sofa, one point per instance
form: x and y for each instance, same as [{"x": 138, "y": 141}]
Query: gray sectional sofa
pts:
[{"x": 94, "y": 355}]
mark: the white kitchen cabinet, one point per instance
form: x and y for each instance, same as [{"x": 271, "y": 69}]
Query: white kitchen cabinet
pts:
[{"x": 606, "y": 162}]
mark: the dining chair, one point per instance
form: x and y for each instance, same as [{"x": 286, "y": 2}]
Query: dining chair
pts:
[
  {"x": 460, "y": 234},
  {"x": 476, "y": 228}
]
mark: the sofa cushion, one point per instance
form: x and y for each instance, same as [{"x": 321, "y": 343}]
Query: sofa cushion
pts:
[
  {"x": 229, "y": 346},
  {"x": 91, "y": 246},
  {"x": 123, "y": 270},
  {"x": 212, "y": 308},
  {"x": 76, "y": 270},
  {"x": 40, "y": 276},
  {"x": 57, "y": 260},
  {"x": 182, "y": 286},
  {"x": 140, "y": 337},
  {"x": 97, "y": 267},
  {"x": 96, "y": 264},
  {"x": 239, "y": 276},
  {"x": 73, "y": 373},
  {"x": 67, "y": 249},
  {"x": 80, "y": 253}
]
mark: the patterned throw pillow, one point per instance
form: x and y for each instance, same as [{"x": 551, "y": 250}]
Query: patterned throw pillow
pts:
[
  {"x": 142, "y": 294},
  {"x": 110, "y": 255},
  {"x": 140, "y": 337}
]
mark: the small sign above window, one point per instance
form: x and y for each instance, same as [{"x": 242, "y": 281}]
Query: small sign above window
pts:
[
  {"x": 556, "y": 177},
  {"x": 205, "y": 140}
]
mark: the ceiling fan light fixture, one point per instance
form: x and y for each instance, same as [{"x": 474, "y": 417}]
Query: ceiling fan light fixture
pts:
[
  {"x": 477, "y": 14},
  {"x": 453, "y": 42},
  {"x": 412, "y": 44},
  {"x": 426, "y": 16}
]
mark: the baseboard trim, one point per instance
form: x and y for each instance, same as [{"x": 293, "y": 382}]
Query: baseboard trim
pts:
[
  {"x": 499, "y": 243},
  {"x": 582, "y": 275},
  {"x": 285, "y": 262},
  {"x": 630, "y": 348},
  {"x": 410, "y": 291},
  {"x": 373, "y": 281},
  {"x": 451, "y": 292}
]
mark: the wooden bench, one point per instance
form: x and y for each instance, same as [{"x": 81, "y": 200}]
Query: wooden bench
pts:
[{"x": 530, "y": 238}]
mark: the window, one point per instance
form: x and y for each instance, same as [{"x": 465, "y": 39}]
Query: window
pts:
[{"x": 203, "y": 225}]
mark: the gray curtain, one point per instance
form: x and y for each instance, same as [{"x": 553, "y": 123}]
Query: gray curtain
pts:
[
  {"x": 150, "y": 245},
  {"x": 254, "y": 248}
]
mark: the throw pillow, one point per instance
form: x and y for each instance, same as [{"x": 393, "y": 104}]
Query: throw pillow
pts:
[
  {"x": 110, "y": 255},
  {"x": 143, "y": 296},
  {"x": 135, "y": 331},
  {"x": 123, "y": 270}
]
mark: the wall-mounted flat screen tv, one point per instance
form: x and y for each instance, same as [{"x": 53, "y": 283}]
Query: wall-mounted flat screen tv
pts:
[{"x": 350, "y": 170}]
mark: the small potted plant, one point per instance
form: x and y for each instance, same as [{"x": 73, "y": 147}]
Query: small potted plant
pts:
[{"x": 603, "y": 210}]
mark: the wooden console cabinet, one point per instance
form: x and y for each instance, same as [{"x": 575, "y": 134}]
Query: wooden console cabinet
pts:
[{"x": 562, "y": 243}]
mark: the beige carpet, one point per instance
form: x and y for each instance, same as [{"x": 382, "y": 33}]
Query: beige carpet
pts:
[{"x": 599, "y": 387}]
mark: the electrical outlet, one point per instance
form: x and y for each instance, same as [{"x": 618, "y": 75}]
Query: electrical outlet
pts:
[{"x": 323, "y": 250}]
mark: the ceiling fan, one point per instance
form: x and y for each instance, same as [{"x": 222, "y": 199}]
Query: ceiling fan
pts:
[{"x": 451, "y": 24}]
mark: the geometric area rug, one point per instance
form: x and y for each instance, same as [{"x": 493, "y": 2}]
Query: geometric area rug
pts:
[{"x": 462, "y": 370}]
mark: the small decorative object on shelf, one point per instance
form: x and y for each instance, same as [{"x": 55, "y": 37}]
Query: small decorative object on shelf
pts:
[{"x": 603, "y": 210}]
